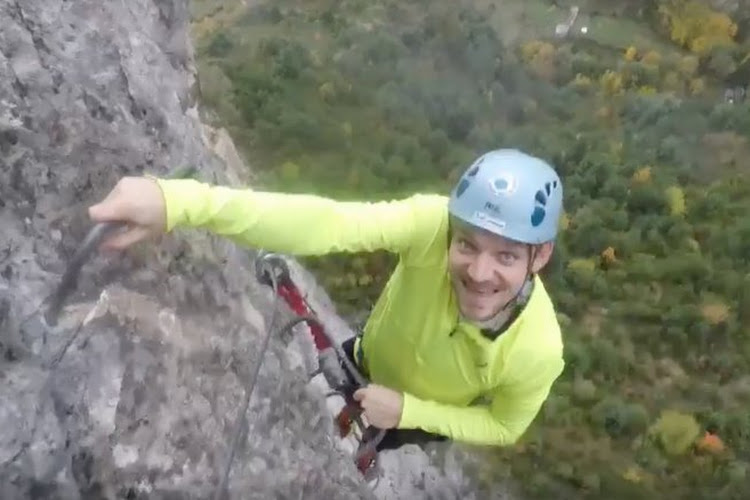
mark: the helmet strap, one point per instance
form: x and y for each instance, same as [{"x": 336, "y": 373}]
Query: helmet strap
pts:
[
  {"x": 516, "y": 304},
  {"x": 525, "y": 291}
]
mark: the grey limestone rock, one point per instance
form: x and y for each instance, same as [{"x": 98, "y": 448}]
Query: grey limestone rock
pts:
[{"x": 136, "y": 392}]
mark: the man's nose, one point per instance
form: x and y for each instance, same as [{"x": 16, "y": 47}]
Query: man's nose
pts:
[{"x": 480, "y": 268}]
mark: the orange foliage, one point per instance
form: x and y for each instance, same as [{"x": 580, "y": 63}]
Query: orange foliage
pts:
[
  {"x": 540, "y": 56},
  {"x": 642, "y": 175},
  {"x": 710, "y": 443},
  {"x": 608, "y": 257},
  {"x": 715, "y": 313}
]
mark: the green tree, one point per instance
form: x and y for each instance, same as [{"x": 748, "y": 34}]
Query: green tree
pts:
[{"x": 220, "y": 45}]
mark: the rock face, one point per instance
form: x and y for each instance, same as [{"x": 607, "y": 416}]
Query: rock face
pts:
[{"x": 136, "y": 392}]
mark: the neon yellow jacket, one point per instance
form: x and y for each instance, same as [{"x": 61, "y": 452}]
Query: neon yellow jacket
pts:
[{"x": 407, "y": 341}]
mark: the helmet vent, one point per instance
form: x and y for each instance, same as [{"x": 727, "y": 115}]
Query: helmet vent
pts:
[
  {"x": 473, "y": 171},
  {"x": 540, "y": 198},
  {"x": 537, "y": 217},
  {"x": 540, "y": 201}
]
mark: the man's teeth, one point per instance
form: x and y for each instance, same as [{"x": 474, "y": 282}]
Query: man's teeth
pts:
[{"x": 481, "y": 291}]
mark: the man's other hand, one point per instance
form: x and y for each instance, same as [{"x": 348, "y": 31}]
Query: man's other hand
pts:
[{"x": 382, "y": 406}]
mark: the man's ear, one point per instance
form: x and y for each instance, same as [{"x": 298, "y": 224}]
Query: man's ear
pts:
[{"x": 542, "y": 256}]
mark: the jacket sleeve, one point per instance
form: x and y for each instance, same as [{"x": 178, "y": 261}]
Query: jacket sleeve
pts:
[
  {"x": 512, "y": 409},
  {"x": 298, "y": 224}
]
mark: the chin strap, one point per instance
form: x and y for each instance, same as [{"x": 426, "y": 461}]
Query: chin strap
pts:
[
  {"x": 494, "y": 326},
  {"x": 519, "y": 300}
]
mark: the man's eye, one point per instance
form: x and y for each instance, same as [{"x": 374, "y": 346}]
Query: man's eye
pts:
[
  {"x": 507, "y": 257},
  {"x": 464, "y": 245}
]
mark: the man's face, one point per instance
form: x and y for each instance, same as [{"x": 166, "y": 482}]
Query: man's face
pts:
[{"x": 488, "y": 271}]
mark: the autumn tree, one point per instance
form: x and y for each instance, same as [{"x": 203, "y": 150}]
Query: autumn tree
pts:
[
  {"x": 695, "y": 26},
  {"x": 540, "y": 57}
]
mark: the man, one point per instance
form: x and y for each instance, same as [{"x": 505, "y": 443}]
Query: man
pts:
[{"x": 463, "y": 343}]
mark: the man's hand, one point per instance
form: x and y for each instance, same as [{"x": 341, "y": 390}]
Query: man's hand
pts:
[
  {"x": 382, "y": 406},
  {"x": 139, "y": 202}
]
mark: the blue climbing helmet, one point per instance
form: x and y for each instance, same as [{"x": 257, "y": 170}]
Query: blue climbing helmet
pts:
[{"x": 512, "y": 194}]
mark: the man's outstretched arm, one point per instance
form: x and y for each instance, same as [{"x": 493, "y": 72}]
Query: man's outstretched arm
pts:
[{"x": 298, "y": 224}]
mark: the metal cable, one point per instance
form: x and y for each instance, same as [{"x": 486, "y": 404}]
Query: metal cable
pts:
[
  {"x": 270, "y": 332},
  {"x": 221, "y": 489}
]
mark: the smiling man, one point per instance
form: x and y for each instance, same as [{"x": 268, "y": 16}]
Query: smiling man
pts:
[{"x": 463, "y": 342}]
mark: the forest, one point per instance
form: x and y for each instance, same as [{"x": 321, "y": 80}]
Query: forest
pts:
[{"x": 641, "y": 107}]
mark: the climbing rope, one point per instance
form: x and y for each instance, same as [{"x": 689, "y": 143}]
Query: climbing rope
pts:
[{"x": 367, "y": 449}]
